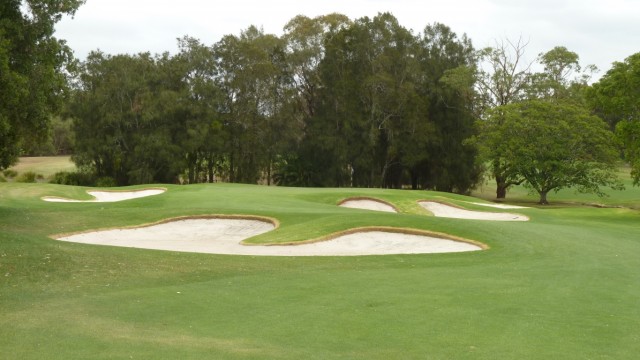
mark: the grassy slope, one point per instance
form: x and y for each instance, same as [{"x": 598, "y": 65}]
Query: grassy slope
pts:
[{"x": 566, "y": 284}]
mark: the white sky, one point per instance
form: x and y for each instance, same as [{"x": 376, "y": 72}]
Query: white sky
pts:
[{"x": 599, "y": 31}]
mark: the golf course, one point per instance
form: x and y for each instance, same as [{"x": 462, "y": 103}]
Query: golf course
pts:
[{"x": 564, "y": 284}]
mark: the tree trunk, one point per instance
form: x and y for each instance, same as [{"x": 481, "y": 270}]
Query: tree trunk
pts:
[
  {"x": 210, "y": 172},
  {"x": 543, "y": 198},
  {"x": 501, "y": 187},
  {"x": 269, "y": 172}
]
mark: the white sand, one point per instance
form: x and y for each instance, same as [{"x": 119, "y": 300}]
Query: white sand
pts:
[
  {"x": 368, "y": 204},
  {"x": 223, "y": 236},
  {"x": 110, "y": 196},
  {"x": 441, "y": 210},
  {"x": 500, "y": 206}
]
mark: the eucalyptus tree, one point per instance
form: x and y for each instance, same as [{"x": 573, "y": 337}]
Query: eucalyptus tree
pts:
[
  {"x": 201, "y": 134},
  {"x": 305, "y": 40},
  {"x": 450, "y": 161},
  {"x": 366, "y": 98},
  {"x": 562, "y": 78},
  {"x": 390, "y": 100},
  {"x": 32, "y": 70},
  {"x": 503, "y": 78},
  {"x": 256, "y": 86}
]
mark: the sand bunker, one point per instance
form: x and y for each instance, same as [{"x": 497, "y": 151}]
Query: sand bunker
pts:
[
  {"x": 110, "y": 196},
  {"x": 500, "y": 206},
  {"x": 442, "y": 210},
  {"x": 367, "y": 204},
  {"x": 223, "y": 236}
]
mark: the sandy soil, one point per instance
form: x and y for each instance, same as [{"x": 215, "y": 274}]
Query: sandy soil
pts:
[
  {"x": 223, "y": 236},
  {"x": 442, "y": 210},
  {"x": 367, "y": 204},
  {"x": 109, "y": 196}
]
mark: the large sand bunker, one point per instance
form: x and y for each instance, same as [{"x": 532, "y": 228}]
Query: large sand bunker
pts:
[
  {"x": 442, "y": 210},
  {"x": 110, "y": 196},
  {"x": 368, "y": 204},
  {"x": 224, "y": 236}
]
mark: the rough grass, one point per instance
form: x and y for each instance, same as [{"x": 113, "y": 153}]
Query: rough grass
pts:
[{"x": 566, "y": 284}]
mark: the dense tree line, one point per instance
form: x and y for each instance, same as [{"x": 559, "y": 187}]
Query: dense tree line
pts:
[{"x": 331, "y": 102}]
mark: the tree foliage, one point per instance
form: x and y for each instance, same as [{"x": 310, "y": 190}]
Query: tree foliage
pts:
[
  {"x": 32, "y": 70},
  {"x": 505, "y": 79},
  {"x": 616, "y": 98},
  {"x": 116, "y": 111},
  {"x": 333, "y": 102},
  {"x": 502, "y": 79},
  {"x": 451, "y": 164},
  {"x": 555, "y": 145},
  {"x": 384, "y": 117}
]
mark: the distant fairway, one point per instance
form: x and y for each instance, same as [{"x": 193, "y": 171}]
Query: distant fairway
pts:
[
  {"x": 44, "y": 165},
  {"x": 565, "y": 284}
]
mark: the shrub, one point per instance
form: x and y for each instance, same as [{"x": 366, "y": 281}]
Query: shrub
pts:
[
  {"x": 28, "y": 177},
  {"x": 73, "y": 178},
  {"x": 10, "y": 173},
  {"x": 2, "y": 179},
  {"x": 106, "y": 182}
]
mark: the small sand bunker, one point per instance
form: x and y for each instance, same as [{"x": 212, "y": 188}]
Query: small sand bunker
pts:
[
  {"x": 110, "y": 196},
  {"x": 367, "y": 204},
  {"x": 442, "y": 210},
  {"x": 500, "y": 206},
  {"x": 224, "y": 236}
]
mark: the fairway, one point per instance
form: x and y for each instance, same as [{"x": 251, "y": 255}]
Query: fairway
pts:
[{"x": 563, "y": 284}]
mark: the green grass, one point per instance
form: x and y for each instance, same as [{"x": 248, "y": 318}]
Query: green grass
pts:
[{"x": 564, "y": 285}]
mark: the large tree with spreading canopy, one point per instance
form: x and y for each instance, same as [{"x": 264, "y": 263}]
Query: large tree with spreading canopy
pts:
[{"x": 554, "y": 145}]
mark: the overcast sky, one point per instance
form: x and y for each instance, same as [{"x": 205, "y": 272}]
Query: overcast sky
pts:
[{"x": 599, "y": 31}]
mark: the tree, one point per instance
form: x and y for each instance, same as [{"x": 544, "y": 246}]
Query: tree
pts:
[
  {"x": 556, "y": 145},
  {"x": 616, "y": 98},
  {"x": 256, "y": 85},
  {"x": 502, "y": 79},
  {"x": 127, "y": 116},
  {"x": 365, "y": 104},
  {"x": 32, "y": 70},
  {"x": 507, "y": 80},
  {"x": 450, "y": 164},
  {"x": 562, "y": 79},
  {"x": 199, "y": 132},
  {"x": 305, "y": 40}
]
